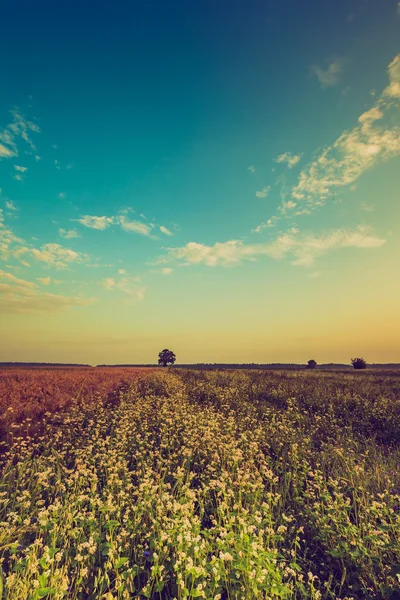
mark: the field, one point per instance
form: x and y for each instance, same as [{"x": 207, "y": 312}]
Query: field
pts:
[{"x": 165, "y": 484}]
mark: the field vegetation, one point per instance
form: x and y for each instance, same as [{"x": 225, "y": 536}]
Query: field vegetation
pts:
[{"x": 213, "y": 484}]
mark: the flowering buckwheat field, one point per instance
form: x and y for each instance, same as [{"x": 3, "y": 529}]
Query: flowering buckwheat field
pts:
[{"x": 216, "y": 485}]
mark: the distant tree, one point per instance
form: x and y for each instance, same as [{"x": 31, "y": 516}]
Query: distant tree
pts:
[
  {"x": 358, "y": 363},
  {"x": 311, "y": 364},
  {"x": 166, "y": 356}
]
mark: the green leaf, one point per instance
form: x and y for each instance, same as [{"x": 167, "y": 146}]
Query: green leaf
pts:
[
  {"x": 43, "y": 592},
  {"x": 121, "y": 562},
  {"x": 111, "y": 524}
]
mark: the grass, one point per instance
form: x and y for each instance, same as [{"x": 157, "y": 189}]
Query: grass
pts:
[{"x": 216, "y": 485}]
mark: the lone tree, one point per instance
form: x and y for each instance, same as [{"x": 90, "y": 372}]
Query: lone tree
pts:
[
  {"x": 166, "y": 356},
  {"x": 358, "y": 363},
  {"x": 311, "y": 364}
]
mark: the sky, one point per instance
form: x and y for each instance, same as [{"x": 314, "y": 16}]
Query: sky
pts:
[{"x": 221, "y": 178}]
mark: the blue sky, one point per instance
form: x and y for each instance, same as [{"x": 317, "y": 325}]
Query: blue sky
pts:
[{"x": 218, "y": 177}]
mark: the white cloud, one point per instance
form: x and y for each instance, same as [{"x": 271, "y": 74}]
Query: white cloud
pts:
[
  {"x": 44, "y": 280},
  {"x": 6, "y": 152},
  {"x": 55, "y": 255},
  {"x": 10, "y": 205},
  {"x": 165, "y": 230},
  {"x": 108, "y": 283},
  {"x": 393, "y": 90},
  {"x": 290, "y": 159},
  {"x": 252, "y": 169},
  {"x": 10, "y": 278},
  {"x": 68, "y": 234},
  {"x": 61, "y": 195},
  {"x": 93, "y": 222},
  {"x": 134, "y": 226},
  {"x": 21, "y": 296},
  {"x": 355, "y": 151},
  {"x": 127, "y": 285},
  {"x": 19, "y": 129},
  {"x": 303, "y": 248},
  {"x": 20, "y": 169},
  {"x": 166, "y": 271},
  {"x": 7, "y": 239},
  {"x": 121, "y": 271},
  {"x": 330, "y": 75},
  {"x": 264, "y": 192},
  {"x": 266, "y": 224}
]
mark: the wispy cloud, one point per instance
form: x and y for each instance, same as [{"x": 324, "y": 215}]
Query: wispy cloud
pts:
[
  {"x": 266, "y": 224},
  {"x": 165, "y": 230},
  {"x": 21, "y": 296},
  {"x": 130, "y": 286},
  {"x": 121, "y": 220},
  {"x": 367, "y": 206},
  {"x": 10, "y": 205},
  {"x": 329, "y": 76},
  {"x": 134, "y": 226},
  {"x": 304, "y": 249},
  {"x": 7, "y": 239},
  {"x": 53, "y": 255},
  {"x": 19, "y": 176},
  {"x": 19, "y": 129},
  {"x": 264, "y": 192},
  {"x": 355, "y": 151},
  {"x": 47, "y": 280},
  {"x": 68, "y": 234},
  {"x": 290, "y": 159},
  {"x": 252, "y": 169},
  {"x": 93, "y": 222}
]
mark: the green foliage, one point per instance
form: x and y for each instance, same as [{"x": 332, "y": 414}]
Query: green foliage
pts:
[{"x": 254, "y": 485}]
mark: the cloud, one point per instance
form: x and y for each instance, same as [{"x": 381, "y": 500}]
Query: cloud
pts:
[
  {"x": 19, "y": 129},
  {"x": 68, "y": 234},
  {"x": 121, "y": 271},
  {"x": 329, "y": 76},
  {"x": 20, "y": 296},
  {"x": 93, "y": 222},
  {"x": 252, "y": 169},
  {"x": 264, "y": 192},
  {"x": 266, "y": 224},
  {"x": 165, "y": 230},
  {"x": 10, "y": 278},
  {"x": 6, "y": 152},
  {"x": 290, "y": 159},
  {"x": 10, "y": 205},
  {"x": 19, "y": 176},
  {"x": 135, "y": 226},
  {"x": 127, "y": 285},
  {"x": 304, "y": 249},
  {"x": 44, "y": 280},
  {"x": 355, "y": 151},
  {"x": 52, "y": 254},
  {"x": 393, "y": 90},
  {"x": 61, "y": 195},
  {"x": 7, "y": 239},
  {"x": 367, "y": 207},
  {"x": 130, "y": 226},
  {"x": 166, "y": 271}
]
